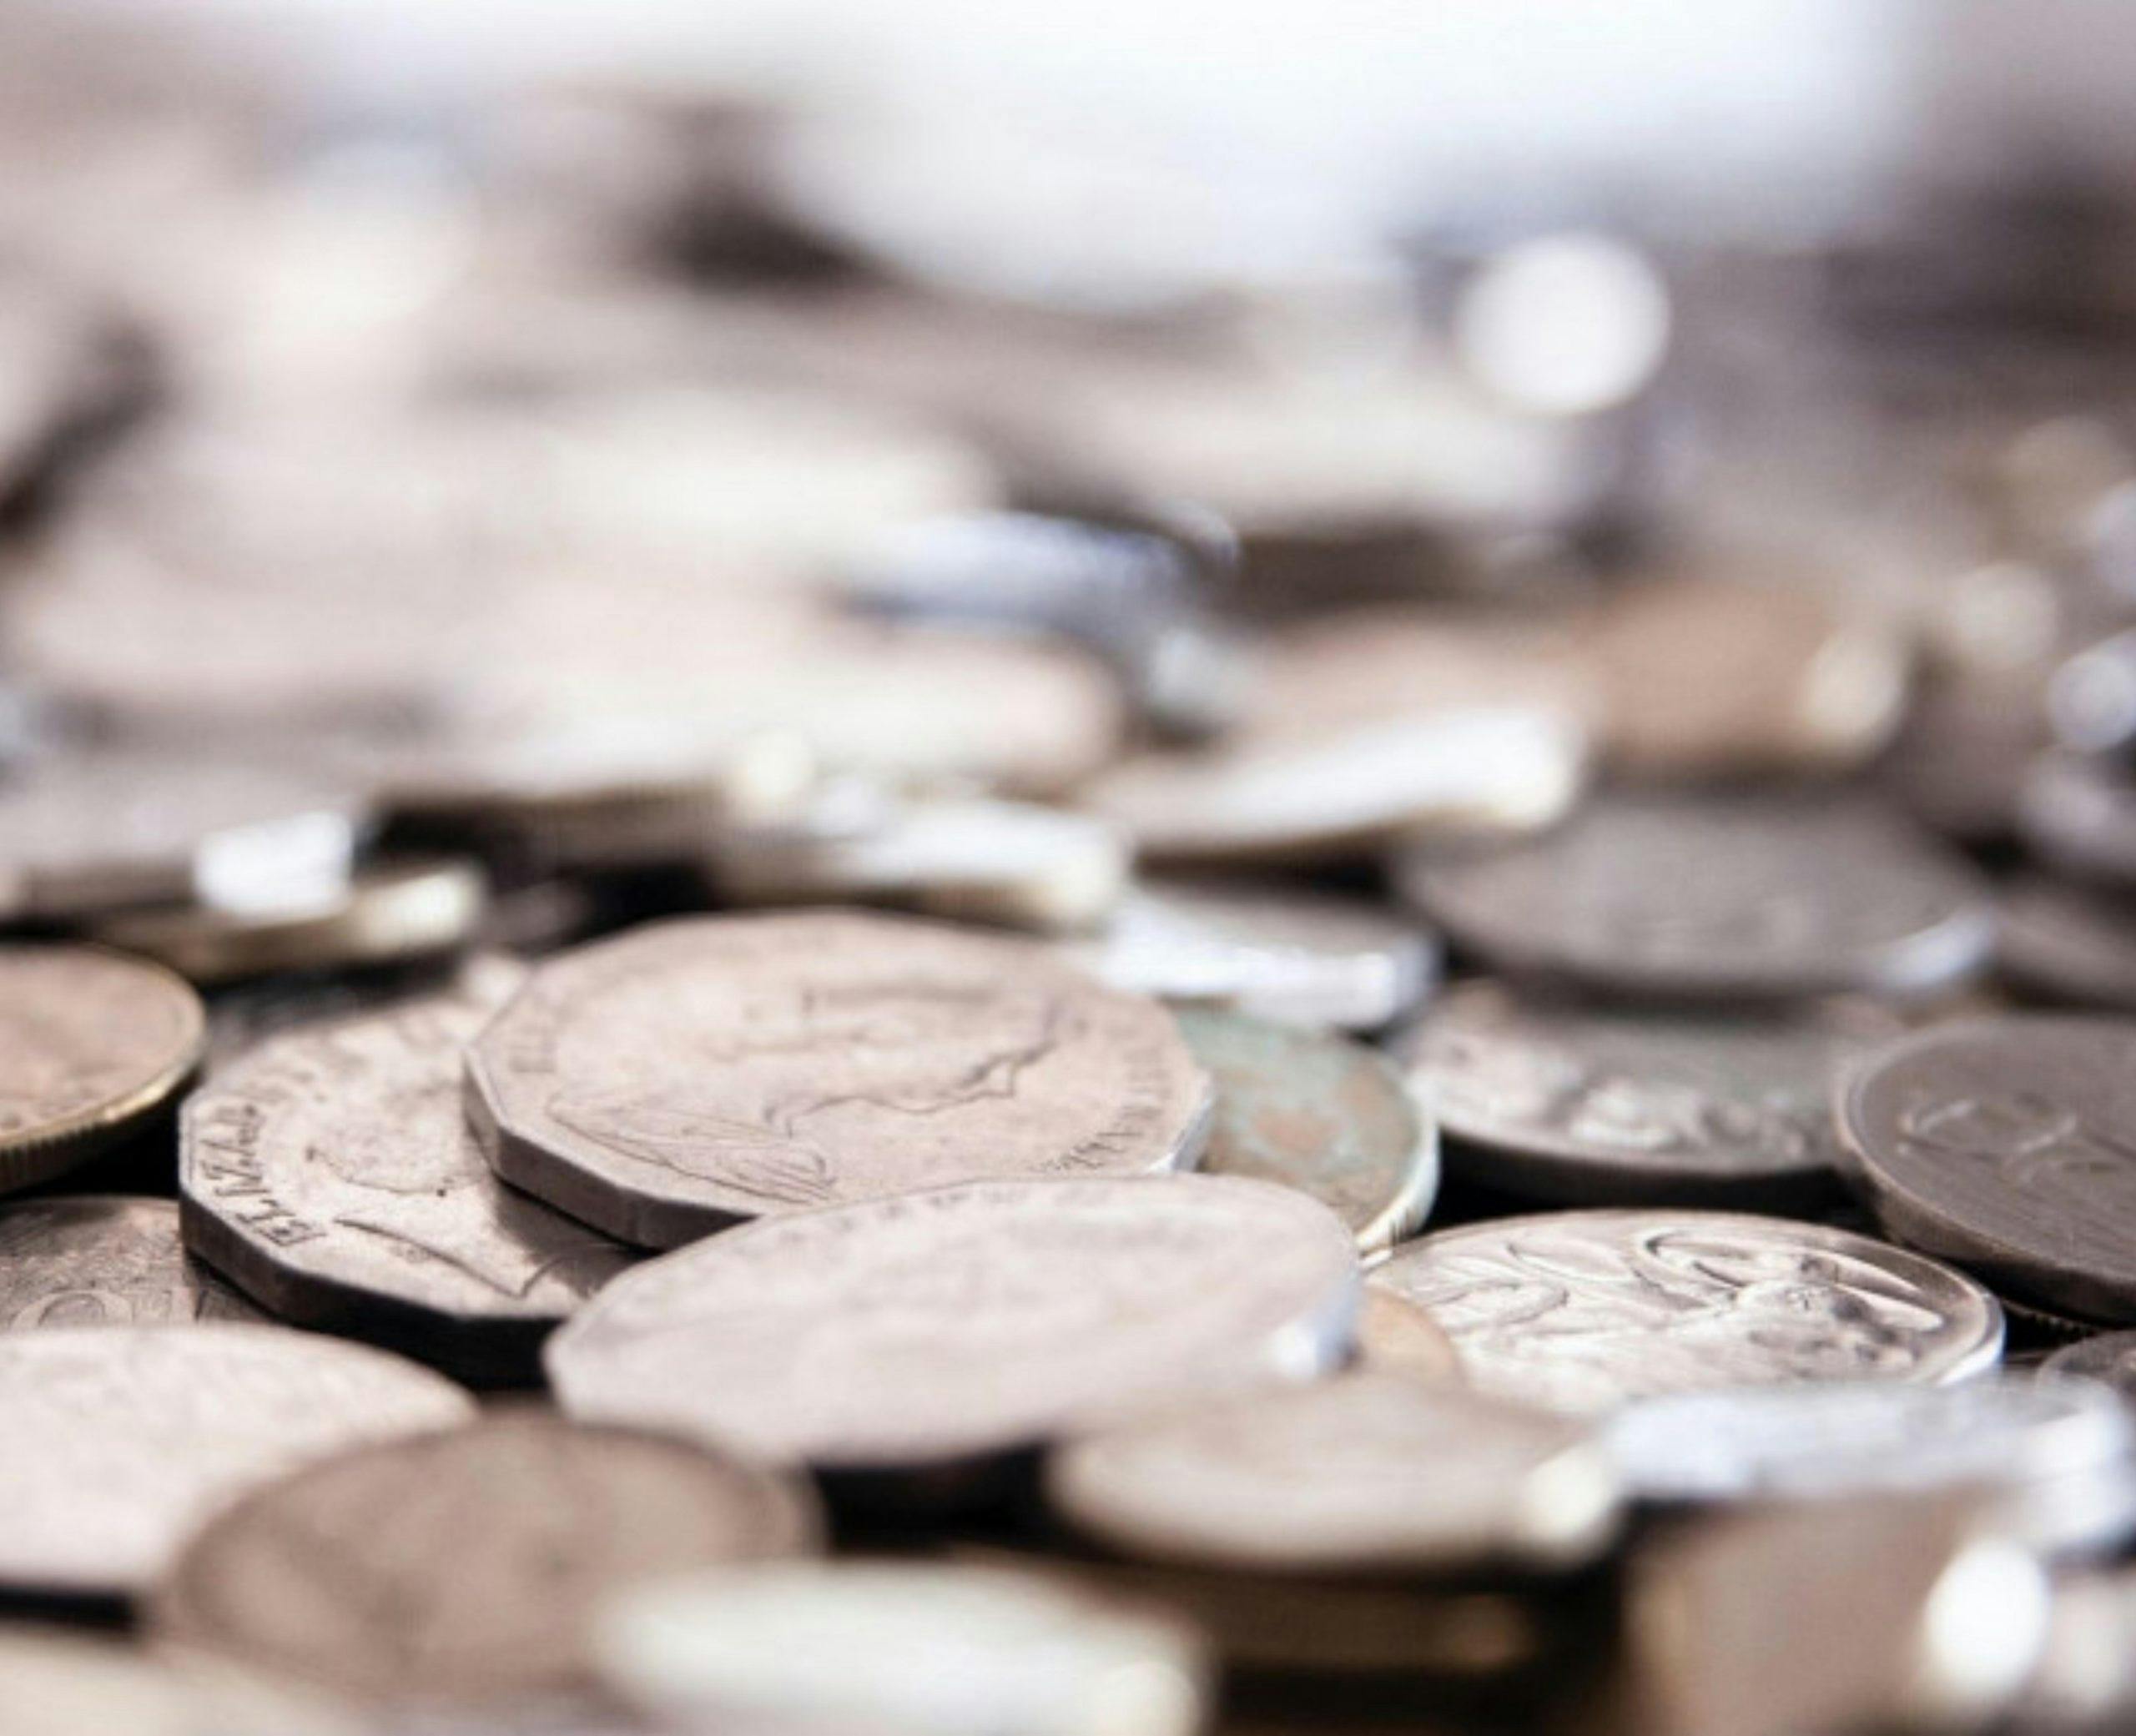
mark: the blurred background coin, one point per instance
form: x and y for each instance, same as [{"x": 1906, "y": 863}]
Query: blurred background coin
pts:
[
  {"x": 2077, "y": 814},
  {"x": 1399, "y": 1337},
  {"x": 2109, "y": 1357},
  {"x": 91, "y": 1260},
  {"x": 55, "y": 1678},
  {"x": 2068, "y": 941}
]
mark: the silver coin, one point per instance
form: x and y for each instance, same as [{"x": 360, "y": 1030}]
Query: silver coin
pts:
[
  {"x": 951, "y": 1326},
  {"x": 2106, "y": 1357},
  {"x": 1582, "y": 1311},
  {"x": 55, "y": 1682},
  {"x": 2069, "y": 941},
  {"x": 2079, "y": 815},
  {"x": 687, "y": 1073},
  {"x": 91, "y": 1260}
]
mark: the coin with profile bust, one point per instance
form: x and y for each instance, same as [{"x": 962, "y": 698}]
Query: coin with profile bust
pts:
[{"x": 92, "y": 1260}]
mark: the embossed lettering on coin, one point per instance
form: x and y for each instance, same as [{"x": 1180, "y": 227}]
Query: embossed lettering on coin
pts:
[{"x": 99, "y": 1260}]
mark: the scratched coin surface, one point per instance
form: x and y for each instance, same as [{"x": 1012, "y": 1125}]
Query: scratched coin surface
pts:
[
  {"x": 1733, "y": 897},
  {"x": 1318, "y": 1113},
  {"x": 92, "y": 1044},
  {"x": 331, "y": 1175},
  {"x": 960, "y": 1323},
  {"x": 1588, "y": 1105},
  {"x": 123, "y": 1439},
  {"x": 2005, "y": 1144},
  {"x": 467, "y": 1565},
  {"x": 1582, "y": 1311},
  {"x": 96, "y": 1260},
  {"x": 664, "y": 1083}
]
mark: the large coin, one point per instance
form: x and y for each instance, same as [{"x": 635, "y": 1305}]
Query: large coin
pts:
[
  {"x": 331, "y": 1175},
  {"x": 1582, "y": 1311},
  {"x": 1742, "y": 897},
  {"x": 467, "y": 1564},
  {"x": 2004, "y": 1144},
  {"x": 955, "y": 1325},
  {"x": 1320, "y": 1114},
  {"x": 1591, "y": 1105},
  {"x": 664, "y": 1083},
  {"x": 98, "y": 1260},
  {"x": 92, "y": 1043},
  {"x": 2068, "y": 942},
  {"x": 123, "y": 1439}
]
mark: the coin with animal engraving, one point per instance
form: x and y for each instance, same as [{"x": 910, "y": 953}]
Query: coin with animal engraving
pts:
[
  {"x": 949, "y": 1326},
  {"x": 127, "y": 1437},
  {"x": 2107, "y": 1357},
  {"x": 331, "y": 1175},
  {"x": 1593, "y": 1104},
  {"x": 2069, "y": 941},
  {"x": 92, "y": 1045},
  {"x": 1582, "y": 1311},
  {"x": 1719, "y": 897},
  {"x": 94, "y": 1260},
  {"x": 467, "y": 1565},
  {"x": 2003, "y": 1144},
  {"x": 662, "y": 1084}
]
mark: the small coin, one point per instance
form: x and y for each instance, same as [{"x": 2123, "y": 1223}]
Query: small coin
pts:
[
  {"x": 1738, "y": 897},
  {"x": 1397, "y": 1337},
  {"x": 1597, "y": 1104},
  {"x": 879, "y": 1336},
  {"x": 94, "y": 1045},
  {"x": 465, "y": 1565},
  {"x": 1361, "y": 1474},
  {"x": 2109, "y": 1357},
  {"x": 2077, "y": 814},
  {"x": 331, "y": 1175},
  {"x": 2000, "y": 1143},
  {"x": 1581, "y": 1310},
  {"x": 124, "y": 1439},
  {"x": 2069, "y": 941},
  {"x": 664, "y": 1083},
  {"x": 1321, "y": 1114},
  {"x": 55, "y": 1681},
  {"x": 91, "y": 1260}
]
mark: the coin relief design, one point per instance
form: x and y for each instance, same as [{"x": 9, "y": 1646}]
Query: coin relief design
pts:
[{"x": 93, "y": 1260}]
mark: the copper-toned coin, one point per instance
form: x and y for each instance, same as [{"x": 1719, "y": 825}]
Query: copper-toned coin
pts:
[
  {"x": 666, "y": 1083},
  {"x": 2069, "y": 941},
  {"x": 93, "y": 1260},
  {"x": 1398, "y": 1337}
]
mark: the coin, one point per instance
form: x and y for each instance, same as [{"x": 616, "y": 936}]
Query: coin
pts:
[
  {"x": 93, "y": 1260},
  {"x": 126, "y": 1437},
  {"x": 1740, "y": 896},
  {"x": 955, "y": 1325},
  {"x": 1998, "y": 1143},
  {"x": 2068, "y": 942},
  {"x": 95, "y": 1044},
  {"x": 331, "y": 1176},
  {"x": 2109, "y": 1357},
  {"x": 54, "y": 1680},
  {"x": 1361, "y": 1474},
  {"x": 2077, "y": 814},
  {"x": 465, "y": 1565},
  {"x": 663, "y": 1084},
  {"x": 1595, "y": 1104},
  {"x": 1395, "y": 1336},
  {"x": 1581, "y": 1310},
  {"x": 1321, "y": 1114}
]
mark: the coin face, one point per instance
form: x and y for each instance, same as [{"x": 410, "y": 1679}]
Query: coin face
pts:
[
  {"x": 665, "y": 1083},
  {"x": 1596, "y": 1105},
  {"x": 92, "y": 1043},
  {"x": 2108, "y": 1356},
  {"x": 960, "y": 1323},
  {"x": 1582, "y": 1310},
  {"x": 2069, "y": 941},
  {"x": 1321, "y": 1114},
  {"x": 331, "y": 1174},
  {"x": 101, "y": 1260},
  {"x": 2001, "y": 1143},
  {"x": 129, "y": 1436},
  {"x": 465, "y": 1565},
  {"x": 1739, "y": 897}
]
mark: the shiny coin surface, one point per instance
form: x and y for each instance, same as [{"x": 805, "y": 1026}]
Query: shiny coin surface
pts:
[
  {"x": 95, "y": 1044},
  {"x": 2107, "y": 1356},
  {"x": 1363, "y": 1474},
  {"x": 1591, "y": 1105},
  {"x": 662, "y": 1084},
  {"x": 1737, "y": 898},
  {"x": 2003, "y": 1143},
  {"x": 1582, "y": 1310},
  {"x": 2069, "y": 941},
  {"x": 1321, "y": 1114},
  {"x": 127, "y": 1437},
  {"x": 331, "y": 1175},
  {"x": 964, "y": 1323},
  {"x": 465, "y": 1565},
  {"x": 94, "y": 1260}
]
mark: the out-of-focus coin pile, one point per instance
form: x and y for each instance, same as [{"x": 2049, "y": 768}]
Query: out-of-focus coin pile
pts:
[{"x": 820, "y": 926}]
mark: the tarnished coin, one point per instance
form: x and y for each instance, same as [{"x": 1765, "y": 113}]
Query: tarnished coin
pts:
[
  {"x": 1742, "y": 897},
  {"x": 465, "y": 1565},
  {"x": 664, "y": 1083},
  {"x": 331, "y": 1175},
  {"x": 2003, "y": 1143},
  {"x": 1396, "y": 1336},
  {"x": 1321, "y": 1114},
  {"x": 94, "y": 1043},
  {"x": 2069, "y": 941},
  {"x": 55, "y": 1681},
  {"x": 126, "y": 1438},
  {"x": 964, "y": 1323},
  {"x": 1581, "y": 1310},
  {"x": 1363, "y": 1474},
  {"x": 94, "y": 1260},
  {"x": 1594, "y": 1105},
  {"x": 2078, "y": 814},
  {"x": 2109, "y": 1357}
]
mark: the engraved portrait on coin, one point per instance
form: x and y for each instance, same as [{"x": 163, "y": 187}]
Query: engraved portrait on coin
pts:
[{"x": 101, "y": 1260}]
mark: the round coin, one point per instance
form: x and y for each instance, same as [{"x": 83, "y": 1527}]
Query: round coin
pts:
[
  {"x": 2109, "y": 1357},
  {"x": 98, "y": 1259},
  {"x": 955, "y": 1325},
  {"x": 2068, "y": 942},
  {"x": 664, "y": 1083},
  {"x": 2077, "y": 814},
  {"x": 1582, "y": 1311}
]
